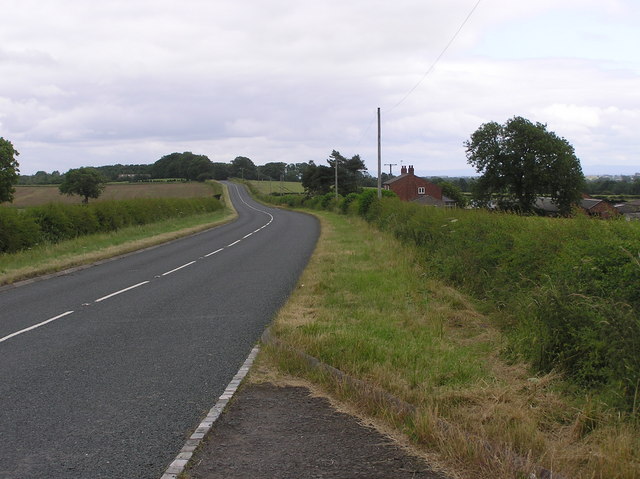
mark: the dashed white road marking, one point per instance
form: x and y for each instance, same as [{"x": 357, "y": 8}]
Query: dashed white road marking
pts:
[
  {"x": 178, "y": 268},
  {"x": 120, "y": 292},
  {"x": 35, "y": 326},
  {"x": 235, "y": 242},
  {"x": 213, "y": 252}
]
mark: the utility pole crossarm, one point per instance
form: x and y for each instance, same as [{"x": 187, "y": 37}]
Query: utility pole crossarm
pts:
[{"x": 390, "y": 165}]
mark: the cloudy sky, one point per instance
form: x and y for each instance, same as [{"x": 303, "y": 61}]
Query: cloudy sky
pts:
[{"x": 128, "y": 81}]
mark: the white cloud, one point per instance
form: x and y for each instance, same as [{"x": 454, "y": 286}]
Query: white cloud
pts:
[{"x": 132, "y": 80}]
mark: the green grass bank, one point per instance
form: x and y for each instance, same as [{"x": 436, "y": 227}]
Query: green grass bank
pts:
[
  {"x": 518, "y": 332},
  {"x": 565, "y": 291}
]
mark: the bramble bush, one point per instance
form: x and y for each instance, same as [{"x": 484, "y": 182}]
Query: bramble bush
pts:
[{"x": 54, "y": 222}]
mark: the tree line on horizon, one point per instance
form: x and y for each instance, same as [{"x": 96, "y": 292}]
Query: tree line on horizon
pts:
[
  {"x": 624, "y": 185},
  {"x": 517, "y": 162},
  {"x": 194, "y": 167}
]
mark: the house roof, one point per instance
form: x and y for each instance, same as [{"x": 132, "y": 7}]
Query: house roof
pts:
[
  {"x": 588, "y": 203},
  {"x": 393, "y": 180},
  {"x": 545, "y": 204},
  {"x": 629, "y": 207}
]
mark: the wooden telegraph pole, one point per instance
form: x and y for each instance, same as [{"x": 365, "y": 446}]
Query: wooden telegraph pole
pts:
[
  {"x": 336, "y": 185},
  {"x": 379, "y": 160}
]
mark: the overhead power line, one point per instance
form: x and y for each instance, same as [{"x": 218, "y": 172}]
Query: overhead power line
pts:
[
  {"x": 438, "y": 58},
  {"x": 453, "y": 38}
]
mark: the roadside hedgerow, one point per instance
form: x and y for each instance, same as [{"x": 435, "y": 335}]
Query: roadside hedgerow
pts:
[
  {"x": 565, "y": 290},
  {"x": 54, "y": 222}
]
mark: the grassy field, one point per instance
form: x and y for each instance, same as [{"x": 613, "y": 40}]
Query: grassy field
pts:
[
  {"x": 365, "y": 306},
  {"x": 284, "y": 187},
  {"x": 38, "y": 195}
]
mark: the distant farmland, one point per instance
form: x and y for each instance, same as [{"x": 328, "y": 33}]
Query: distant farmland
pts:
[
  {"x": 267, "y": 187},
  {"x": 38, "y": 195}
]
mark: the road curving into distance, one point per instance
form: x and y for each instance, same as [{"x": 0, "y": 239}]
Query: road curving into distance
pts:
[{"x": 104, "y": 372}]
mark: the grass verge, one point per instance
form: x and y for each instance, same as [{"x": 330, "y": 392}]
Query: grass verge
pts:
[
  {"x": 365, "y": 306},
  {"x": 51, "y": 258}
]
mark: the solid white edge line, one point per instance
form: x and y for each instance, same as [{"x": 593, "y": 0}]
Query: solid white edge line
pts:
[
  {"x": 35, "y": 326},
  {"x": 179, "y": 267},
  {"x": 121, "y": 291},
  {"x": 213, "y": 252},
  {"x": 184, "y": 456}
]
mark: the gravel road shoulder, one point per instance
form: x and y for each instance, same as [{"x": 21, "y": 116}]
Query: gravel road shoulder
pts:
[{"x": 284, "y": 432}]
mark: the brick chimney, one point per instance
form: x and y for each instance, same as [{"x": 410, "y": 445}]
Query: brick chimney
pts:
[
  {"x": 411, "y": 169},
  {"x": 403, "y": 170}
]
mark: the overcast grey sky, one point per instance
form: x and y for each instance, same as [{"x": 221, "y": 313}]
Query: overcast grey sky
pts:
[{"x": 128, "y": 81}]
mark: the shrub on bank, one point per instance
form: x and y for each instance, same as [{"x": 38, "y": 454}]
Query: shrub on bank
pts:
[{"x": 17, "y": 230}]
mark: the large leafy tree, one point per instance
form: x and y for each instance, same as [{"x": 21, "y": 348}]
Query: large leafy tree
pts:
[
  {"x": 294, "y": 171},
  {"x": 183, "y": 165},
  {"x": 520, "y": 161},
  {"x": 8, "y": 170},
  {"x": 85, "y": 182},
  {"x": 274, "y": 171},
  {"x": 243, "y": 167},
  {"x": 317, "y": 179},
  {"x": 320, "y": 179},
  {"x": 220, "y": 171},
  {"x": 350, "y": 172}
]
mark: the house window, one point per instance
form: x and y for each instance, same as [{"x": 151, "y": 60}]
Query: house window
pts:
[{"x": 421, "y": 190}]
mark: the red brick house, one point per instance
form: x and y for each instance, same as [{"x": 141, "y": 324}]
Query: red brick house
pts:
[
  {"x": 590, "y": 206},
  {"x": 595, "y": 207},
  {"x": 410, "y": 187}
]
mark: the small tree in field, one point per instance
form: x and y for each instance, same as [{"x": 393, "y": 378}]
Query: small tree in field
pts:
[
  {"x": 8, "y": 170},
  {"x": 520, "y": 161},
  {"x": 85, "y": 182}
]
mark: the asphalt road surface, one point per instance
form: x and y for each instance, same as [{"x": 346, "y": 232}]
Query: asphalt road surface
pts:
[{"x": 104, "y": 372}]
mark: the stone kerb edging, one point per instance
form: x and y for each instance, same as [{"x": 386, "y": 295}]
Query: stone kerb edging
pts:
[
  {"x": 180, "y": 462},
  {"x": 399, "y": 406}
]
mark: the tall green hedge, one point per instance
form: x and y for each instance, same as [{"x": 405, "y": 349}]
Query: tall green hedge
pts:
[
  {"x": 54, "y": 222},
  {"x": 567, "y": 290}
]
